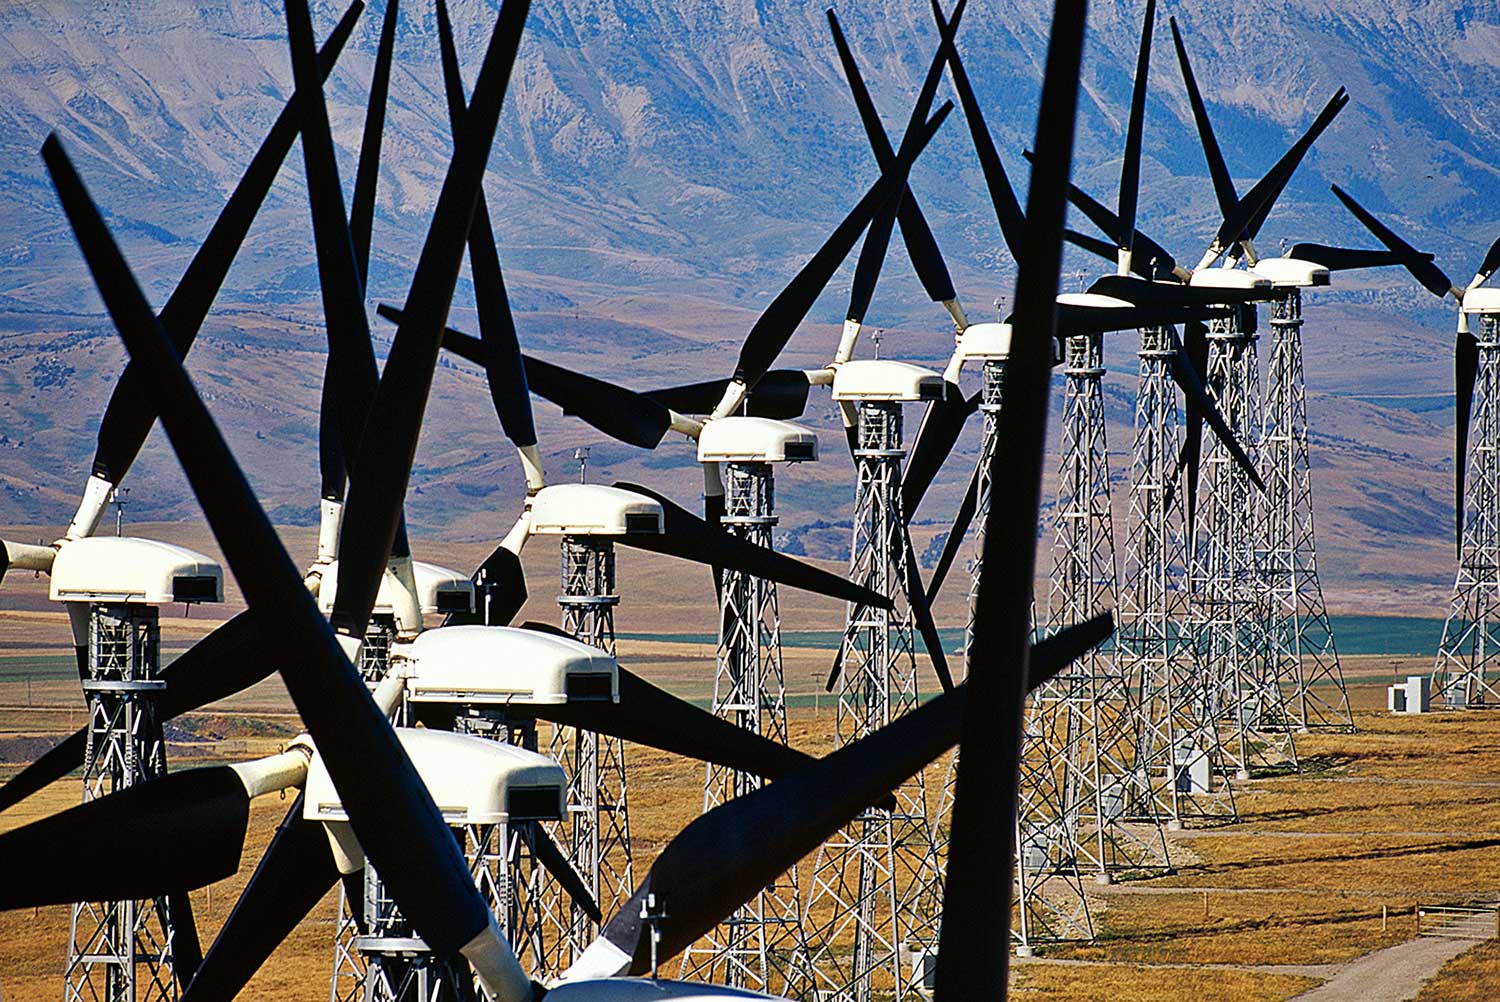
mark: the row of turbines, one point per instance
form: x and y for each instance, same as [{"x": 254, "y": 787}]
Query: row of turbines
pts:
[{"x": 1224, "y": 651}]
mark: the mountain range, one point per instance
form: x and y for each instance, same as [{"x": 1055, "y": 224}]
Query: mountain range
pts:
[{"x": 663, "y": 167}]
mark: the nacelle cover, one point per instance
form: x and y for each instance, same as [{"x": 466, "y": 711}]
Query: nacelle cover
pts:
[
  {"x": 755, "y": 440},
  {"x": 593, "y": 510},
  {"x": 130, "y": 570},
  {"x": 1290, "y": 272},
  {"x": 1228, "y": 278},
  {"x": 985, "y": 342},
  {"x": 884, "y": 379},
  {"x": 439, "y": 590},
  {"x": 1481, "y": 300},
  {"x": 478, "y": 665},
  {"x": 473, "y": 780}
]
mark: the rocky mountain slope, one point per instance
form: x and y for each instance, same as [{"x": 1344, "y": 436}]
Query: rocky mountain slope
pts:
[{"x": 663, "y": 167}]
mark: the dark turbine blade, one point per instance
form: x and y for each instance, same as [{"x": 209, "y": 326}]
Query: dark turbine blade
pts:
[
  {"x": 974, "y": 945},
  {"x": 1002, "y": 195},
  {"x": 500, "y": 347},
  {"x": 1260, "y": 199},
  {"x": 367, "y": 174},
  {"x": 1130, "y": 165},
  {"x": 1465, "y": 372},
  {"x": 1344, "y": 258},
  {"x": 936, "y": 436},
  {"x": 291, "y": 878},
  {"x": 689, "y": 537},
  {"x": 227, "y": 661},
  {"x": 1185, "y": 375},
  {"x": 180, "y": 832},
  {"x": 129, "y": 416},
  {"x": 877, "y": 238},
  {"x": 780, "y": 394},
  {"x": 388, "y": 447},
  {"x": 961, "y": 520},
  {"x": 1223, "y": 185},
  {"x": 1420, "y": 265},
  {"x": 774, "y": 328},
  {"x": 921, "y": 246}
]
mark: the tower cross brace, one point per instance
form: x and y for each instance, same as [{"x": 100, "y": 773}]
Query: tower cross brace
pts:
[
  {"x": 872, "y": 901},
  {"x": 1466, "y": 674},
  {"x": 1179, "y": 755},
  {"x": 761, "y": 945}
]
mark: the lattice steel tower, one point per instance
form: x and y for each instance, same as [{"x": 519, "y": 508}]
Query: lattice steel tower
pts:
[
  {"x": 761, "y": 945},
  {"x": 1247, "y": 701},
  {"x": 588, "y": 518},
  {"x": 140, "y": 950},
  {"x": 121, "y": 951},
  {"x": 874, "y": 896},
  {"x": 1083, "y": 726},
  {"x": 1468, "y": 659},
  {"x": 1299, "y": 637},
  {"x": 1179, "y": 754}
]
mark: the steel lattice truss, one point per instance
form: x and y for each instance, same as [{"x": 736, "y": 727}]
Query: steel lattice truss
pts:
[
  {"x": 1299, "y": 636},
  {"x": 992, "y": 393},
  {"x": 760, "y": 946},
  {"x": 876, "y": 885},
  {"x": 596, "y": 836},
  {"x": 1248, "y": 702},
  {"x": 121, "y": 951},
  {"x": 1468, "y": 660},
  {"x": 1078, "y": 769},
  {"x": 397, "y": 965},
  {"x": 1179, "y": 751}
]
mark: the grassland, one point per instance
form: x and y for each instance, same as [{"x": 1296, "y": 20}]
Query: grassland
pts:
[{"x": 1320, "y": 868}]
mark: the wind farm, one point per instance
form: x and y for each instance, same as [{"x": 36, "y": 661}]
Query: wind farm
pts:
[{"x": 966, "y": 584}]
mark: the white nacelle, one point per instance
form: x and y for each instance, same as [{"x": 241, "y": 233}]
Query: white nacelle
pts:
[
  {"x": 1481, "y": 300},
  {"x": 439, "y": 590},
  {"x": 648, "y": 990},
  {"x": 1228, "y": 278},
  {"x": 987, "y": 342},
  {"x": 138, "y": 571},
  {"x": 1290, "y": 272},
  {"x": 488, "y": 665},
  {"x": 755, "y": 440},
  {"x": 1092, "y": 299},
  {"x": 883, "y": 379},
  {"x": 473, "y": 780},
  {"x": 593, "y": 510}
]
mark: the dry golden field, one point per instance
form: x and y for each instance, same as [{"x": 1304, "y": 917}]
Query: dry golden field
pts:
[{"x": 1322, "y": 867}]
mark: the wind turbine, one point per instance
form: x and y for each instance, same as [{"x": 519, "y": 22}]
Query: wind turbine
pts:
[
  {"x": 1464, "y": 674},
  {"x": 707, "y": 870}
]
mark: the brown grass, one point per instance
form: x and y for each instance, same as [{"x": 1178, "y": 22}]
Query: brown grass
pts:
[
  {"x": 1400, "y": 813},
  {"x": 1123, "y": 983},
  {"x": 1472, "y": 976}
]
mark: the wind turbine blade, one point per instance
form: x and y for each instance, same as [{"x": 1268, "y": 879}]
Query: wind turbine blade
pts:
[
  {"x": 1002, "y": 195},
  {"x": 921, "y": 246},
  {"x": 1130, "y": 164},
  {"x": 295, "y": 873},
  {"x": 1421, "y": 266},
  {"x": 500, "y": 348},
  {"x": 129, "y": 415},
  {"x": 686, "y": 536},
  {"x": 1217, "y": 170},
  {"x": 180, "y": 832},
  {"x": 367, "y": 173},
  {"x": 774, "y": 328},
  {"x": 974, "y": 945}
]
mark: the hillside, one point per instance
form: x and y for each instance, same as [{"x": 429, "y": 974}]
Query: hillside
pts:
[{"x": 663, "y": 167}]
